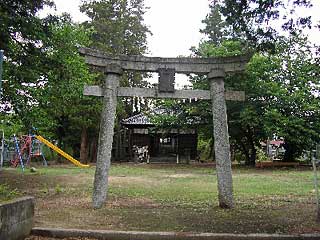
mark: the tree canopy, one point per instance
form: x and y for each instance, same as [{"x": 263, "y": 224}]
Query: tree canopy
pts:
[
  {"x": 281, "y": 85},
  {"x": 44, "y": 74}
]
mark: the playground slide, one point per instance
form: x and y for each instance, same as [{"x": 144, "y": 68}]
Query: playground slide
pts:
[{"x": 62, "y": 153}]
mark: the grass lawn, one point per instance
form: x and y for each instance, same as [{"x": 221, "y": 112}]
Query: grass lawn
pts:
[{"x": 171, "y": 198}]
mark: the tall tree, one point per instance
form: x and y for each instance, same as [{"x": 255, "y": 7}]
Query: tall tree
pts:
[
  {"x": 118, "y": 25},
  {"x": 259, "y": 20},
  {"x": 21, "y": 36},
  {"x": 296, "y": 105},
  {"x": 252, "y": 23},
  {"x": 44, "y": 75},
  {"x": 119, "y": 28},
  {"x": 61, "y": 96},
  {"x": 282, "y": 97},
  {"x": 215, "y": 26}
]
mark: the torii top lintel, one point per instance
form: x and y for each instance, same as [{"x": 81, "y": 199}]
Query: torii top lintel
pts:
[{"x": 153, "y": 64}]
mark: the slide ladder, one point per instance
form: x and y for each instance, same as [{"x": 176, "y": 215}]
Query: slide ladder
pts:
[{"x": 62, "y": 153}]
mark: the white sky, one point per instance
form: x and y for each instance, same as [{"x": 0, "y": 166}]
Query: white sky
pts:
[{"x": 175, "y": 24}]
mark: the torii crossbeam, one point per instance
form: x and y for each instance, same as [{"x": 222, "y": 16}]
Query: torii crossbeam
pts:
[{"x": 214, "y": 68}]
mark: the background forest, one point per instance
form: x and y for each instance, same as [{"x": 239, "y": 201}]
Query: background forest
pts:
[{"x": 44, "y": 75}]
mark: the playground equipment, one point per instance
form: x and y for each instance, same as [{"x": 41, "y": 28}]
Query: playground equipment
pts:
[
  {"x": 18, "y": 158},
  {"x": 21, "y": 151},
  {"x": 62, "y": 153},
  {"x": 26, "y": 148}
]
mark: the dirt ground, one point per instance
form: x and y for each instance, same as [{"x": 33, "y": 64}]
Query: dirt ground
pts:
[{"x": 170, "y": 198}]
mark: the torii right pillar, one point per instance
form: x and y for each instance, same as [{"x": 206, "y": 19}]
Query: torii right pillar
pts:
[{"x": 221, "y": 138}]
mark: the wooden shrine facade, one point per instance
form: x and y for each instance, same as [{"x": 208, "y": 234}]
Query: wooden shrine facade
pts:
[{"x": 170, "y": 145}]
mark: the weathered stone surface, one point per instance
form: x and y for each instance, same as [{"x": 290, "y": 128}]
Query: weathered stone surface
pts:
[
  {"x": 113, "y": 68},
  {"x": 221, "y": 140},
  {"x": 153, "y": 93},
  {"x": 152, "y": 64},
  {"x": 166, "y": 80},
  {"x": 217, "y": 73},
  {"x": 130, "y": 235},
  {"x": 215, "y": 67},
  {"x": 16, "y": 218},
  {"x": 100, "y": 187}
]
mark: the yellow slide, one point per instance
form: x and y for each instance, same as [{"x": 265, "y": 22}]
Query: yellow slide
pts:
[{"x": 62, "y": 153}]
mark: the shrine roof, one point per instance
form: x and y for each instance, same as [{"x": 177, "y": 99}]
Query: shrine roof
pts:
[
  {"x": 145, "y": 119},
  {"x": 139, "y": 119},
  {"x": 142, "y": 118}
]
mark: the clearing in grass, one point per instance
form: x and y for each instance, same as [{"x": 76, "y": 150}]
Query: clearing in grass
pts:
[{"x": 171, "y": 198}]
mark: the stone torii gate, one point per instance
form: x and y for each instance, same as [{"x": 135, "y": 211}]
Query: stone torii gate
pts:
[{"x": 215, "y": 68}]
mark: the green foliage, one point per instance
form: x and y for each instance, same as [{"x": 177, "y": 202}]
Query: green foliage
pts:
[
  {"x": 6, "y": 193},
  {"x": 215, "y": 27},
  {"x": 281, "y": 96},
  {"x": 226, "y": 48},
  {"x": 44, "y": 74},
  {"x": 11, "y": 124},
  {"x": 58, "y": 189},
  {"x": 61, "y": 99},
  {"x": 119, "y": 29},
  {"x": 118, "y": 25},
  {"x": 258, "y": 21},
  {"x": 22, "y": 34},
  {"x": 20, "y": 25},
  {"x": 261, "y": 155},
  {"x": 205, "y": 148}
]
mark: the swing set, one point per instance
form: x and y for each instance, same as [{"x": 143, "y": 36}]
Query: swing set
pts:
[
  {"x": 27, "y": 147},
  {"x": 20, "y": 151}
]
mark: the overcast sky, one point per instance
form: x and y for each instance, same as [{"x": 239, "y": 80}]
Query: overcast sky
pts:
[{"x": 175, "y": 24}]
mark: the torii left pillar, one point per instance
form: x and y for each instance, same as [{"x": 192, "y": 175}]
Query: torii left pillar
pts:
[
  {"x": 221, "y": 138},
  {"x": 111, "y": 83}
]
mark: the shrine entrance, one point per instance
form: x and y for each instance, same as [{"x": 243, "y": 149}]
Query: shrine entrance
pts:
[
  {"x": 170, "y": 145},
  {"x": 216, "y": 70}
]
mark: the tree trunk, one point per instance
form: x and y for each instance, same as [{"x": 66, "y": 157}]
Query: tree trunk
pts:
[
  {"x": 289, "y": 154},
  {"x": 118, "y": 144},
  {"x": 211, "y": 153},
  {"x": 245, "y": 151},
  {"x": 84, "y": 146},
  {"x": 60, "y": 145},
  {"x": 253, "y": 151},
  {"x": 93, "y": 150},
  {"x": 253, "y": 156}
]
